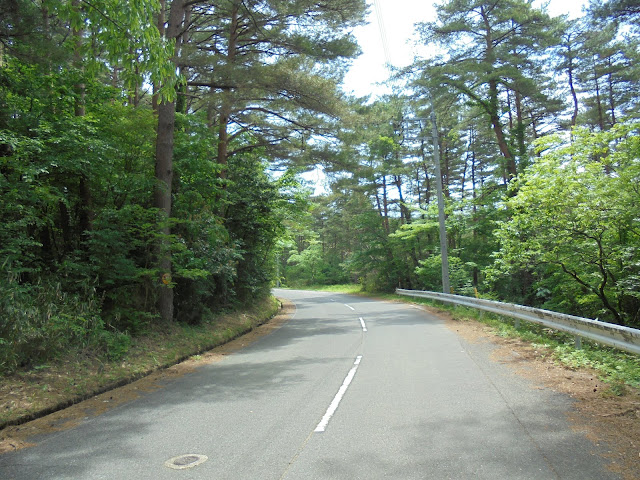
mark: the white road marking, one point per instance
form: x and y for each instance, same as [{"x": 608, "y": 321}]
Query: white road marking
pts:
[
  {"x": 349, "y": 306},
  {"x": 364, "y": 326},
  {"x": 336, "y": 400}
]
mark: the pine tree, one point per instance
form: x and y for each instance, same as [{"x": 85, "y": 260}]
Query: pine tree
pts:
[{"x": 490, "y": 60}]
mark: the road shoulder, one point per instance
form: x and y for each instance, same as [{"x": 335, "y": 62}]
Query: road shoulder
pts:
[
  {"x": 607, "y": 420},
  {"x": 72, "y": 411}
]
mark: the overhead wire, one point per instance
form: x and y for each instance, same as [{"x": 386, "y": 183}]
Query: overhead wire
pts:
[
  {"x": 441, "y": 215},
  {"x": 383, "y": 34}
]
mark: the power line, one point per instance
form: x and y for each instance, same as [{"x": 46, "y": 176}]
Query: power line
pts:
[
  {"x": 383, "y": 33},
  {"x": 446, "y": 288}
]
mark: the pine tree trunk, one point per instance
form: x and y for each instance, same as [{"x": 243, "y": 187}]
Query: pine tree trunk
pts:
[
  {"x": 385, "y": 205},
  {"x": 86, "y": 213},
  {"x": 612, "y": 102},
  {"x": 493, "y": 104},
  {"x": 405, "y": 213},
  {"x": 522, "y": 148},
  {"x": 226, "y": 107},
  {"x": 598, "y": 101},
  {"x": 164, "y": 178},
  {"x": 162, "y": 31},
  {"x": 574, "y": 96},
  {"x": 511, "y": 169}
]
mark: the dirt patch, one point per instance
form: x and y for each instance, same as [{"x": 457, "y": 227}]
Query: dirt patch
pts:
[
  {"x": 24, "y": 435},
  {"x": 605, "y": 418}
]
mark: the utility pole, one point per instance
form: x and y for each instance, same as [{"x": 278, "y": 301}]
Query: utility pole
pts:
[{"x": 444, "y": 253}]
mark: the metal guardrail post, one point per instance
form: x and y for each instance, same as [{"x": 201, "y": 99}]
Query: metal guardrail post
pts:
[
  {"x": 623, "y": 338},
  {"x": 578, "y": 340}
]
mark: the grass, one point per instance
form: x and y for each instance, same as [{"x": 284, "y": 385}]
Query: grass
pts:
[
  {"x": 28, "y": 394},
  {"x": 618, "y": 368}
]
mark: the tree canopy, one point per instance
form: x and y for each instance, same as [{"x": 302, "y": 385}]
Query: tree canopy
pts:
[
  {"x": 138, "y": 147},
  {"x": 537, "y": 133},
  {"x": 151, "y": 161}
]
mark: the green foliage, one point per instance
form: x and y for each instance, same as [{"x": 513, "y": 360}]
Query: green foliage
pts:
[
  {"x": 350, "y": 288},
  {"x": 120, "y": 248},
  {"x": 488, "y": 49},
  {"x": 460, "y": 275},
  {"x": 75, "y": 242},
  {"x": 80, "y": 241},
  {"x": 257, "y": 207},
  {"x": 574, "y": 223},
  {"x": 204, "y": 255},
  {"x": 312, "y": 267},
  {"x": 41, "y": 321}
]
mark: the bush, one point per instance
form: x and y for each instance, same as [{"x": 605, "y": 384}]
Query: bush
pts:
[
  {"x": 39, "y": 321},
  {"x": 460, "y": 275}
]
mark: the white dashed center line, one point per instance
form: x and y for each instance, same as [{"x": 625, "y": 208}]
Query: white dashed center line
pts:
[
  {"x": 364, "y": 326},
  {"x": 336, "y": 400}
]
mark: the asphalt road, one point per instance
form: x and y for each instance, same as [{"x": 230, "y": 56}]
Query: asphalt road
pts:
[{"x": 349, "y": 388}]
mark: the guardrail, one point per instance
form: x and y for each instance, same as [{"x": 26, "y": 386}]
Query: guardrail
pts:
[{"x": 624, "y": 338}]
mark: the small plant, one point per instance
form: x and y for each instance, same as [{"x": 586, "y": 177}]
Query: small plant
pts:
[
  {"x": 116, "y": 344},
  {"x": 618, "y": 388}
]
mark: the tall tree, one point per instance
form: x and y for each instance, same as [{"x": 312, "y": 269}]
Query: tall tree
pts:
[
  {"x": 607, "y": 73},
  {"x": 164, "y": 167},
  {"x": 259, "y": 71},
  {"x": 573, "y": 218},
  {"x": 270, "y": 68},
  {"x": 620, "y": 10},
  {"x": 491, "y": 47},
  {"x": 571, "y": 39}
]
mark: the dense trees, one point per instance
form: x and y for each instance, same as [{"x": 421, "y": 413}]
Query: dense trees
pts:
[
  {"x": 537, "y": 129},
  {"x": 119, "y": 205},
  {"x": 574, "y": 225},
  {"x": 149, "y": 160},
  {"x": 489, "y": 51}
]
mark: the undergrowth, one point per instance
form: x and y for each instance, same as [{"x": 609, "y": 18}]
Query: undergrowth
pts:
[{"x": 66, "y": 378}]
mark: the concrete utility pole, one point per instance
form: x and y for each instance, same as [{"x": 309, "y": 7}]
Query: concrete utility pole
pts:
[
  {"x": 444, "y": 251},
  {"x": 446, "y": 286}
]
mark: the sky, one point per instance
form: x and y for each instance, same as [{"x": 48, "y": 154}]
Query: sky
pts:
[{"x": 398, "y": 19}]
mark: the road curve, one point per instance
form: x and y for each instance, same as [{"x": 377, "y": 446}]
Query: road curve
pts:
[{"x": 349, "y": 388}]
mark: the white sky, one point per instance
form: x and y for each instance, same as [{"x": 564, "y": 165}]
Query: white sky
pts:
[{"x": 398, "y": 18}]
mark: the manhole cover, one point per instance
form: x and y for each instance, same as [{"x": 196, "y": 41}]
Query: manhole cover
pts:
[{"x": 185, "y": 461}]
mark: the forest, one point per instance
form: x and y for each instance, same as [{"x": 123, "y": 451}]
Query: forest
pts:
[
  {"x": 152, "y": 153},
  {"x": 537, "y": 123}
]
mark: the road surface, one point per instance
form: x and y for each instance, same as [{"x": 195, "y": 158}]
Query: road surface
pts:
[{"x": 349, "y": 388}]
